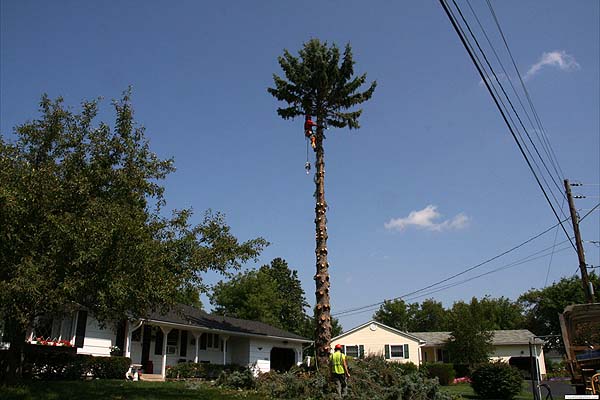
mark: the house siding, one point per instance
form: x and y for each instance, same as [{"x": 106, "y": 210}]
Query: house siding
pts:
[
  {"x": 239, "y": 351},
  {"x": 260, "y": 352},
  {"x": 97, "y": 340},
  {"x": 374, "y": 342},
  {"x": 500, "y": 352}
]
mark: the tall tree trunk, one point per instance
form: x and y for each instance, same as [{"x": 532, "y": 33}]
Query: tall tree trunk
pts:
[
  {"x": 322, "y": 309},
  {"x": 15, "y": 333}
]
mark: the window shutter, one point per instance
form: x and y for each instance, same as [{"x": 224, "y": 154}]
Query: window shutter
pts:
[
  {"x": 344, "y": 348},
  {"x": 405, "y": 351},
  {"x": 184, "y": 342},
  {"x": 80, "y": 329},
  {"x": 158, "y": 344},
  {"x": 120, "y": 339},
  {"x": 361, "y": 351},
  {"x": 387, "y": 351}
]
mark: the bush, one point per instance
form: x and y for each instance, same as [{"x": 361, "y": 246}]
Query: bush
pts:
[
  {"x": 371, "y": 378},
  {"x": 496, "y": 381},
  {"x": 294, "y": 384},
  {"x": 47, "y": 364},
  {"x": 109, "y": 367},
  {"x": 200, "y": 370},
  {"x": 444, "y": 372},
  {"x": 462, "y": 370},
  {"x": 237, "y": 379}
]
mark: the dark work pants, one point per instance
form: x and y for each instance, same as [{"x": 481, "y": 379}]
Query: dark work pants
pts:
[{"x": 340, "y": 384}]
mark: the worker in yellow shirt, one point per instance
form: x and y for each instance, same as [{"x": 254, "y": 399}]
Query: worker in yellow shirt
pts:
[{"x": 339, "y": 370}]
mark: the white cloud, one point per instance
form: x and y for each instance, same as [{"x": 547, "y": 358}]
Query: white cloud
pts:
[
  {"x": 426, "y": 219},
  {"x": 558, "y": 59}
]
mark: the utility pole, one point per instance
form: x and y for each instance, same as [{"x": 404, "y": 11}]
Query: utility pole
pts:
[{"x": 589, "y": 295}]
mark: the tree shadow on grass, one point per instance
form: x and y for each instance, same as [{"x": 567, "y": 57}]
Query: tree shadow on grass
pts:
[{"x": 110, "y": 390}]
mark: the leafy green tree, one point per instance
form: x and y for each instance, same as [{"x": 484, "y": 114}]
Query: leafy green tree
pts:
[
  {"x": 81, "y": 223},
  {"x": 316, "y": 83},
  {"x": 470, "y": 338},
  {"x": 397, "y": 314},
  {"x": 542, "y": 306},
  {"x": 431, "y": 316},
  {"x": 272, "y": 294},
  {"x": 502, "y": 313}
]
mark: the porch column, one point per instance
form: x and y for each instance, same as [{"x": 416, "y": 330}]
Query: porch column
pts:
[
  {"x": 165, "y": 332},
  {"x": 197, "y": 336},
  {"x": 129, "y": 329},
  {"x": 225, "y": 339}
]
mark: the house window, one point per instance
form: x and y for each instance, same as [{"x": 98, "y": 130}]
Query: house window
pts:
[
  {"x": 210, "y": 341},
  {"x": 136, "y": 336},
  {"x": 352, "y": 351},
  {"x": 442, "y": 355},
  {"x": 397, "y": 351},
  {"x": 43, "y": 328},
  {"x": 172, "y": 341}
]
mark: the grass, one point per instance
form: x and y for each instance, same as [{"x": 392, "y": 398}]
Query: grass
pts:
[
  {"x": 465, "y": 391},
  {"x": 119, "y": 390}
]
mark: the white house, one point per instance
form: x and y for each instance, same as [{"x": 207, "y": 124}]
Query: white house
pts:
[{"x": 184, "y": 334}]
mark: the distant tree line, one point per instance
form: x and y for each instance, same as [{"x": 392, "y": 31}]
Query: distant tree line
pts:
[{"x": 470, "y": 323}]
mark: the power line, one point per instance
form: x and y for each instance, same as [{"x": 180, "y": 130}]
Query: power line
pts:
[
  {"x": 370, "y": 307},
  {"x": 513, "y": 264},
  {"x": 517, "y": 96},
  {"x": 465, "y": 43},
  {"x": 459, "y": 273},
  {"x": 516, "y": 114},
  {"x": 535, "y": 114}
]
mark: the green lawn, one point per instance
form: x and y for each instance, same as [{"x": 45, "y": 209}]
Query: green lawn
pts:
[
  {"x": 120, "y": 390},
  {"x": 464, "y": 390}
]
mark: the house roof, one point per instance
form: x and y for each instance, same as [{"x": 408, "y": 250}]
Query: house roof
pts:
[
  {"x": 501, "y": 337},
  {"x": 399, "y": 332},
  {"x": 196, "y": 318}
]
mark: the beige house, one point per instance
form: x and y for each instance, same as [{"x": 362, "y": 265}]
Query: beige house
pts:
[{"x": 374, "y": 338}]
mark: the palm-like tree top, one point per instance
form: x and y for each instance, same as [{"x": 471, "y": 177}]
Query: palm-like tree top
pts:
[{"x": 317, "y": 83}]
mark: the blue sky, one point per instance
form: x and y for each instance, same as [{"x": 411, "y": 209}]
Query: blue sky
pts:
[{"x": 431, "y": 142}]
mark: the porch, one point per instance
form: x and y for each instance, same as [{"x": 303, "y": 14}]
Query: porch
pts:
[{"x": 157, "y": 345}]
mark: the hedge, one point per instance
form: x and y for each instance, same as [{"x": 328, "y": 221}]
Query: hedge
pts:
[
  {"x": 444, "y": 372},
  {"x": 48, "y": 365},
  {"x": 200, "y": 370}
]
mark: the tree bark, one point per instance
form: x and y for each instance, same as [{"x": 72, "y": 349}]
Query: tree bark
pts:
[
  {"x": 322, "y": 308},
  {"x": 15, "y": 334}
]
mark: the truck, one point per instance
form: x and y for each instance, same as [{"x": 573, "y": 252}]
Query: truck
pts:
[{"x": 580, "y": 328}]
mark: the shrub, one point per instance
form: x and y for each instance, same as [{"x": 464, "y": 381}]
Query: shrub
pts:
[
  {"x": 48, "y": 364},
  {"x": 496, "y": 381},
  {"x": 200, "y": 370},
  {"x": 462, "y": 370},
  {"x": 237, "y": 379},
  {"x": 109, "y": 367},
  {"x": 444, "y": 372},
  {"x": 371, "y": 378},
  {"x": 294, "y": 384}
]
